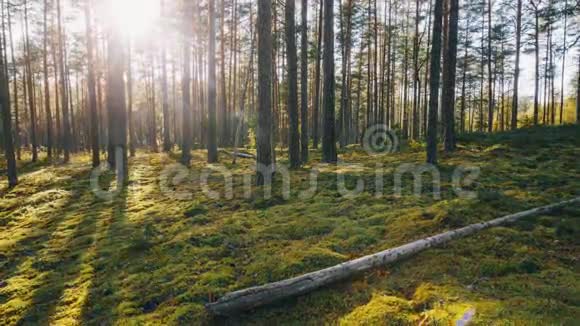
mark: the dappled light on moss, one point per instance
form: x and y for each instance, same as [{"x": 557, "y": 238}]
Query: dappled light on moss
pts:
[{"x": 67, "y": 257}]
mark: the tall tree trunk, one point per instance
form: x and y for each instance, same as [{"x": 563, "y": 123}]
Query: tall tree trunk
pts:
[
  {"x": 564, "y": 49},
  {"x": 389, "y": 77},
  {"x": 153, "y": 110},
  {"x": 265, "y": 69},
  {"x": 223, "y": 90},
  {"x": 92, "y": 100},
  {"x": 546, "y": 106},
  {"x": 405, "y": 107},
  {"x": 578, "y": 94},
  {"x": 16, "y": 143},
  {"x": 552, "y": 76},
  {"x": 434, "y": 83},
  {"x": 449, "y": 73},
  {"x": 329, "y": 154},
  {"x": 49, "y": 142},
  {"x": 29, "y": 82},
  {"x": 7, "y": 121},
  {"x": 315, "y": 115},
  {"x": 345, "y": 94},
  {"x": 375, "y": 65},
  {"x": 246, "y": 85},
  {"x": 292, "y": 98},
  {"x": 464, "y": 79},
  {"x": 187, "y": 136},
  {"x": 303, "y": 82},
  {"x": 515, "y": 101},
  {"x": 212, "y": 154},
  {"x": 236, "y": 76},
  {"x": 130, "y": 121},
  {"x": 427, "y": 69},
  {"x": 116, "y": 104},
  {"x": 537, "y": 71},
  {"x": 490, "y": 97},
  {"x": 416, "y": 93},
  {"x": 369, "y": 66},
  {"x": 164, "y": 87},
  {"x": 66, "y": 134}
]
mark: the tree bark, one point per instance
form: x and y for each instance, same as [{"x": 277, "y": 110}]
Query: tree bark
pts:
[
  {"x": 464, "y": 78},
  {"x": 265, "y": 69},
  {"x": 563, "y": 62},
  {"x": 345, "y": 93},
  {"x": 329, "y": 154},
  {"x": 537, "y": 71},
  {"x": 49, "y": 141},
  {"x": 449, "y": 74},
  {"x": 66, "y": 134},
  {"x": 315, "y": 114},
  {"x": 292, "y": 98},
  {"x": 116, "y": 104},
  {"x": 29, "y": 83},
  {"x": 515, "y": 101},
  {"x": 490, "y": 97},
  {"x": 303, "y": 83},
  {"x": 16, "y": 142},
  {"x": 164, "y": 85},
  {"x": 223, "y": 89},
  {"x": 132, "y": 136},
  {"x": 7, "y": 122},
  {"x": 434, "y": 83},
  {"x": 416, "y": 92},
  {"x": 92, "y": 100},
  {"x": 187, "y": 135},
  {"x": 212, "y": 154},
  {"x": 578, "y": 94}
]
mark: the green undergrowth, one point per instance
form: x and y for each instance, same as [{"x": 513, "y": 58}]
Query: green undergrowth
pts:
[{"x": 68, "y": 258}]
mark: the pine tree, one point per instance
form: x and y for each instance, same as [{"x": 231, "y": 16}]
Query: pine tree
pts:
[
  {"x": 329, "y": 154},
  {"x": 47, "y": 110},
  {"x": 116, "y": 104},
  {"x": 515, "y": 101},
  {"x": 66, "y": 130},
  {"x": 212, "y": 154},
  {"x": 164, "y": 86},
  {"x": 265, "y": 68},
  {"x": 449, "y": 73},
  {"x": 92, "y": 99},
  {"x": 303, "y": 83},
  {"x": 292, "y": 98},
  {"x": 434, "y": 83},
  {"x": 186, "y": 137},
  {"x": 6, "y": 119}
]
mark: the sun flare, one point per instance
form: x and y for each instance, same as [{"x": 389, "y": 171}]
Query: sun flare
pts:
[{"x": 134, "y": 17}]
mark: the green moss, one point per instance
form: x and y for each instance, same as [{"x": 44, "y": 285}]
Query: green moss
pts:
[
  {"x": 382, "y": 310},
  {"x": 69, "y": 258}
]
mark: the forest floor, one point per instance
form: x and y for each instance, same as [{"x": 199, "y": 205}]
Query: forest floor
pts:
[{"x": 68, "y": 257}]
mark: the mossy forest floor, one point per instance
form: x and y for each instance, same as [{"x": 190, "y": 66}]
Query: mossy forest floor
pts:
[{"x": 67, "y": 257}]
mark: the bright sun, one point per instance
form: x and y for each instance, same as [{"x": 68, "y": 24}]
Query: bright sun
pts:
[{"x": 135, "y": 17}]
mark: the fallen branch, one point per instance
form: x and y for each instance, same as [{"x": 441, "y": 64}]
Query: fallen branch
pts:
[
  {"x": 247, "y": 299},
  {"x": 239, "y": 154}
]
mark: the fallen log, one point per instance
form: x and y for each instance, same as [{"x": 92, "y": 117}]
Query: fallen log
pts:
[
  {"x": 250, "y": 298},
  {"x": 240, "y": 154}
]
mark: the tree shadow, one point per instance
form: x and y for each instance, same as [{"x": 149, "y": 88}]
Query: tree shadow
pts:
[
  {"x": 56, "y": 264},
  {"x": 104, "y": 293},
  {"x": 61, "y": 272},
  {"x": 37, "y": 239}
]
